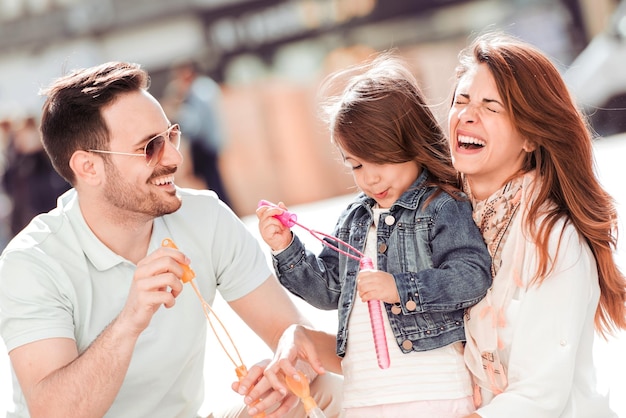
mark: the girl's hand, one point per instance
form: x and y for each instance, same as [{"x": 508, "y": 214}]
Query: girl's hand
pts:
[
  {"x": 377, "y": 285},
  {"x": 273, "y": 232}
]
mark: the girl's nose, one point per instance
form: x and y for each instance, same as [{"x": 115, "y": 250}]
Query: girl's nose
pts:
[{"x": 372, "y": 177}]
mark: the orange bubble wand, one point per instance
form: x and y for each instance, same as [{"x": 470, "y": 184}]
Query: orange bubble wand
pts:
[
  {"x": 188, "y": 276},
  {"x": 300, "y": 388}
]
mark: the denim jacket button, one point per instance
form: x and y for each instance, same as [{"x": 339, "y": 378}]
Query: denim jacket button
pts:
[
  {"x": 382, "y": 248},
  {"x": 407, "y": 344},
  {"x": 396, "y": 310},
  {"x": 390, "y": 220},
  {"x": 411, "y": 305}
]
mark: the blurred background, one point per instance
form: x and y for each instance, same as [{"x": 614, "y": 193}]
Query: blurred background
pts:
[
  {"x": 242, "y": 77},
  {"x": 267, "y": 59}
]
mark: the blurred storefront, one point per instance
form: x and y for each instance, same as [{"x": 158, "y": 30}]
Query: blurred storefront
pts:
[{"x": 269, "y": 57}]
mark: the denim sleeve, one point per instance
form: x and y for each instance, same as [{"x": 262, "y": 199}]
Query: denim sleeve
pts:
[
  {"x": 461, "y": 272},
  {"x": 312, "y": 278}
]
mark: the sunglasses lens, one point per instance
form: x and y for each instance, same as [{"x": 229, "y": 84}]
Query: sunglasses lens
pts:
[
  {"x": 154, "y": 150},
  {"x": 174, "y": 135}
]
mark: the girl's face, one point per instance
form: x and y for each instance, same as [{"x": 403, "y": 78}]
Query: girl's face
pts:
[
  {"x": 485, "y": 145},
  {"x": 385, "y": 183}
]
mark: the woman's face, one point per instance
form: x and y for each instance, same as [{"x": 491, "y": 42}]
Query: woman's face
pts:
[{"x": 485, "y": 145}]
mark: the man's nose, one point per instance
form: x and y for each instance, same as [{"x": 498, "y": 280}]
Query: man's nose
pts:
[{"x": 171, "y": 155}]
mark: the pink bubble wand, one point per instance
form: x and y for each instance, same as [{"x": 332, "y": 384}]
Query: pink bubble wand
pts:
[{"x": 290, "y": 219}]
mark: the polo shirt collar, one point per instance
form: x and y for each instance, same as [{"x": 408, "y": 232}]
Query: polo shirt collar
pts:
[{"x": 101, "y": 256}]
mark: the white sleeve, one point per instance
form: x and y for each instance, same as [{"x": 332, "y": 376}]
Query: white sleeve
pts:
[{"x": 551, "y": 339}]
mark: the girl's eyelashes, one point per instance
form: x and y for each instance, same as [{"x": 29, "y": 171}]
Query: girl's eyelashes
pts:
[
  {"x": 352, "y": 164},
  {"x": 353, "y": 167}
]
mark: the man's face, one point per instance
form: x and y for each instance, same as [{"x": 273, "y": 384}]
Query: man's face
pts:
[{"x": 131, "y": 186}]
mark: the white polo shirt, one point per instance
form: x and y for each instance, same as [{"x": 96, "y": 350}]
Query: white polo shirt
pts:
[{"x": 58, "y": 280}]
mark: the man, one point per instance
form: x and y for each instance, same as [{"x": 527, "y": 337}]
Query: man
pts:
[{"x": 93, "y": 311}]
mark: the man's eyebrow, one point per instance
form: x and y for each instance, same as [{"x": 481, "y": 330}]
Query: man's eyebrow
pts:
[{"x": 141, "y": 142}]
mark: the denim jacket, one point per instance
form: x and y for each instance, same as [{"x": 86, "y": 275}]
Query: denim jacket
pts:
[{"x": 436, "y": 255}]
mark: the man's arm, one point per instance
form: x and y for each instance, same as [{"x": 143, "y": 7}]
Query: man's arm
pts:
[
  {"x": 58, "y": 382},
  {"x": 269, "y": 312}
]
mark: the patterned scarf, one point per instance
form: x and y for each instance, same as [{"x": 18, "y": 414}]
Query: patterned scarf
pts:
[
  {"x": 493, "y": 216},
  {"x": 496, "y": 220}
]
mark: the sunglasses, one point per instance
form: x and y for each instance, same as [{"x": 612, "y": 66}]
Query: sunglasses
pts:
[{"x": 155, "y": 147}]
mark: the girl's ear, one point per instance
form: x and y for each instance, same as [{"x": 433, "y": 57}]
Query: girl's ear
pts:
[{"x": 87, "y": 167}]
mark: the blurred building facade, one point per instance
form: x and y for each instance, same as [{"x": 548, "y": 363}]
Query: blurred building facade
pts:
[{"x": 269, "y": 57}]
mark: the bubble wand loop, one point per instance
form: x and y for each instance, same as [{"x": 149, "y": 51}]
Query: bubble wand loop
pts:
[
  {"x": 188, "y": 276},
  {"x": 289, "y": 219},
  {"x": 300, "y": 388}
]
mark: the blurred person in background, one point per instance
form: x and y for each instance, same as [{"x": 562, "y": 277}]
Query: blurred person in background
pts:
[
  {"x": 526, "y": 158},
  {"x": 6, "y": 136},
  {"x": 92, "y": 307},
  {"x": 195, "y": 101},
  {"x": 29, "y": 180}
]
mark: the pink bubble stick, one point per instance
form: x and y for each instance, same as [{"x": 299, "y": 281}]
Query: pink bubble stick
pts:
[
  {"x": 289, "y": 219},
  {"x": 376, "y": 322}
]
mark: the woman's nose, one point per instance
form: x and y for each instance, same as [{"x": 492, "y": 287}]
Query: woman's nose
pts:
[{"x": 468, "y": 114}]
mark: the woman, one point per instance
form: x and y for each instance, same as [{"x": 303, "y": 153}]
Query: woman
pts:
[{"x": 525, "y": 155}]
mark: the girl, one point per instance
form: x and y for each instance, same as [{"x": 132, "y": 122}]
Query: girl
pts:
[
  {"x": 412, "y": 221},
  {"x": 526, "y": 158}
]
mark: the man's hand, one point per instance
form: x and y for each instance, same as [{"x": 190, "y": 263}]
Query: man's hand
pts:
[
  {"x": 156, "y": 282},
  {"x": 261, "y": 396}
]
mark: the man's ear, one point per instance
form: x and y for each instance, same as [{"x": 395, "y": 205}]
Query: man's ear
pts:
[{"x": 87, "y": 167}]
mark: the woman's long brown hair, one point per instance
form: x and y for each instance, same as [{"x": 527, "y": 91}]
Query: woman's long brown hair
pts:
[{"x": 543, "y": 111}]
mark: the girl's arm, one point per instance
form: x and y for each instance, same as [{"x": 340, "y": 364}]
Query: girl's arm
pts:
[
  {"x": 312, "y": 278},
  {"x": 461, "y": 265}
]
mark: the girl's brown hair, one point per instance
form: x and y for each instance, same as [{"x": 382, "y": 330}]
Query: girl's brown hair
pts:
[
  {"x": 543, "y": 111},
  {"x": 381, "y": 117}
]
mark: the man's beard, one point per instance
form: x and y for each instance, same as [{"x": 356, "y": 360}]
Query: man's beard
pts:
[{"x": 125, "y": 197}]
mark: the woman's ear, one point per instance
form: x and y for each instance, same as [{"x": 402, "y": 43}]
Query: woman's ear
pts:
[
  {"x": 529, "y": 146},
  {"x": 86, "y": 167}
]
